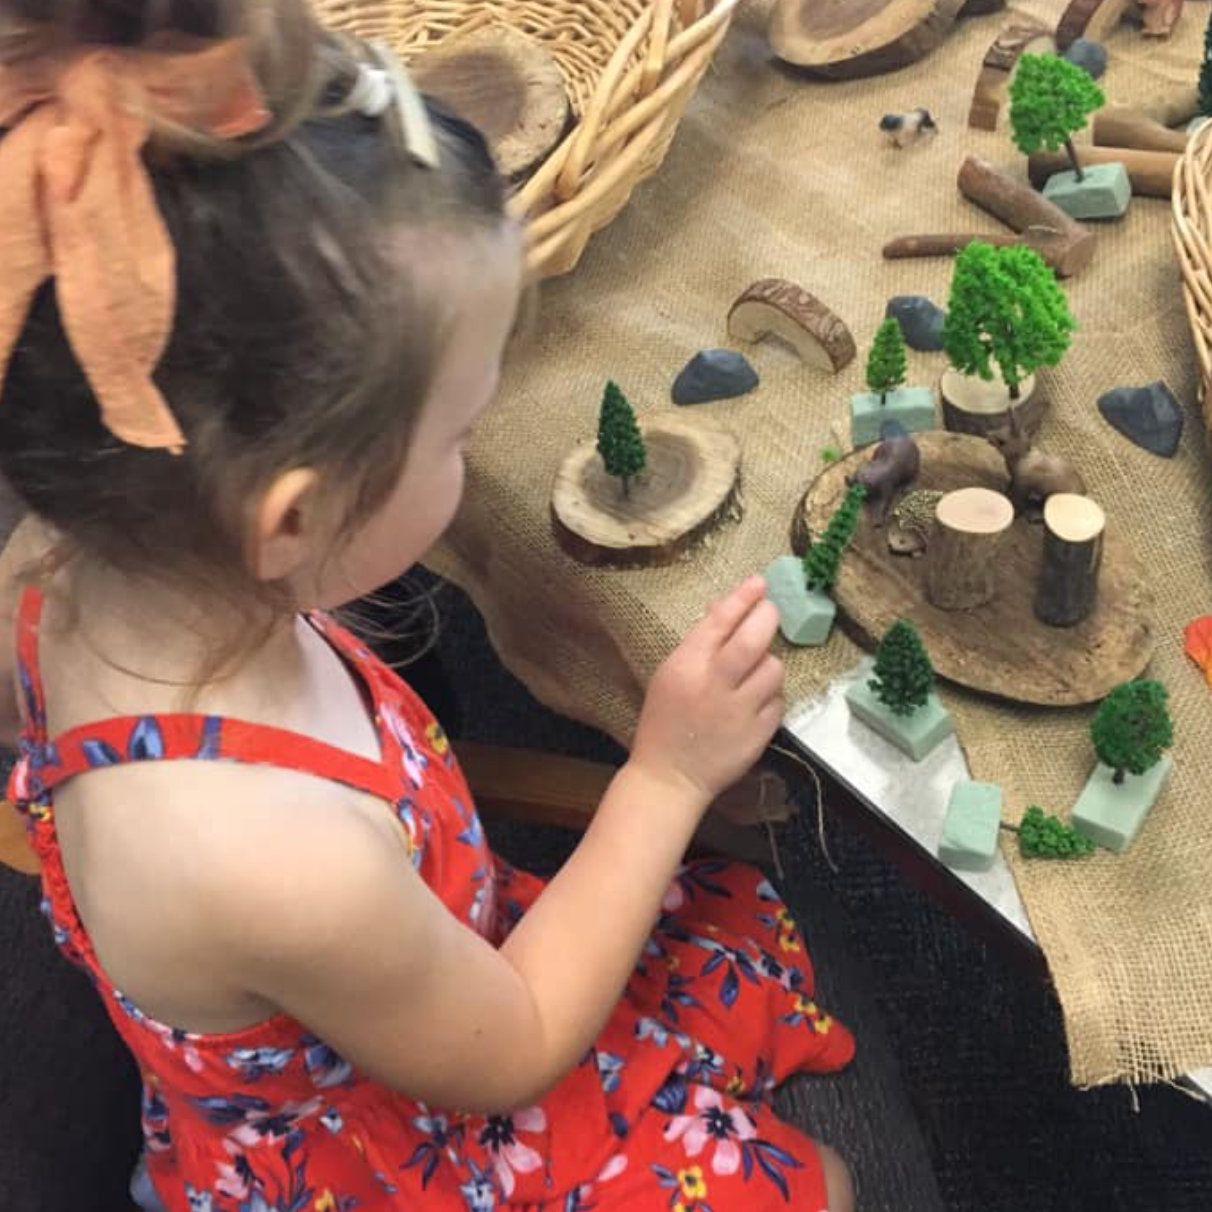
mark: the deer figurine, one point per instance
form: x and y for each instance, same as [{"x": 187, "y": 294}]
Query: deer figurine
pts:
[{"x": 1034, "y": 475}]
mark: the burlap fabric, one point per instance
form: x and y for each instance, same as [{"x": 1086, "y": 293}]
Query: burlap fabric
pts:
[{"x": 773, "y": 175}]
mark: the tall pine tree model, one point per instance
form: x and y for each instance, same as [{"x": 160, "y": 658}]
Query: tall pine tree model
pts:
[
  {"x": 1132, "y": 728},
  {"x": 619, "y": 440},
  {"x": 1050, "y": 100},
  {"x": 1205, "y": 73},
  {"x": 904, "y": 676},
  {"x": 886, "y": 362},
  {"x": 823, "y": 557}
]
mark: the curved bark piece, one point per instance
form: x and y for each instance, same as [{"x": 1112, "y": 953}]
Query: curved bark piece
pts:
[
  {"x": 774, "y": 305},
  {"x": 1093, "y": 19}
]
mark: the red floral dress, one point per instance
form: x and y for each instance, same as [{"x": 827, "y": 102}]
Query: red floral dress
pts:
[{"x": 668, "y": 1110}]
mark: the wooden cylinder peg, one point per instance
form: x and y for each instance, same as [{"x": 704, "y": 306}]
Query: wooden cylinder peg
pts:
[
  {"x": 961, "y": 556},
  {"x": 1073, "y": 556}
]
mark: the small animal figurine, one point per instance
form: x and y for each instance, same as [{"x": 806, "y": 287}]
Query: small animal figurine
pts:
[
  {"x": 893, "y": 466},
  {"x": 903, "y": 130},
  {"x": 1160, "y": 17},
  {"x": 1034, "y": 475},
  {"x": 912, "y": 520}
]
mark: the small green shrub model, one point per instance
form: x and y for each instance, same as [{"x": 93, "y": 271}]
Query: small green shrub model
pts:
[
  {"x": 1050, "y": 100},
  {"x": 619, "y": 440},
  {"x": 886, "y": 361},
  {"x": 1132, "y": 729},
  {"x": 823, "y": 557},
  {"x": 1041, "y": 835},
  {"x": 904, "y": 676},
  {"x": 1006, "y": 309}
]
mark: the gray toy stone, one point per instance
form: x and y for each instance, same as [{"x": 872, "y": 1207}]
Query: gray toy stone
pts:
[
  {"x": 714, "y": 374},
  {"x": 1149, "y": 416},
  {"x": 921, "y": 321},
  {"x": 1089, "y": 55}
]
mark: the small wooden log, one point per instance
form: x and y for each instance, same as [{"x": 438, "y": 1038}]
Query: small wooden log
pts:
[
  {"x": 998, "y": 66},
  {"x": 842, "y": 40},
  {"x": 1157, "y": 17},
  {"x": 1171, "y": 104},
  {"x": 507, "y": 85},
  {"x": 774, "y": 305},
  {"x": 689, "y": 486},
  {"x": 1121, "y": 126},
  {"x": 1051, "y": 245},
  {"x": 1021, "y": 208},
  {"x": 1151, "y": 172},
  {"x": 1073, "y": 558},
  {"x": 981, "y": 8},
  {"x": 969, "y": 528},
  {"x": 1093, "y": 19},
  {"x": 974, "y": 406}
]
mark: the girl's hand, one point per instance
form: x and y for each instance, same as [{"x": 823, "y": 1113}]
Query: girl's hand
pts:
[{"x": 713, "y": 706}]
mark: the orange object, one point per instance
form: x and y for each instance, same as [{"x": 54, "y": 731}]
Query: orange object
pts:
[
  {"x": 78, "y": 206},
  {"x": 1198, "y": 644},
  {"x": 15, "y": 849}
]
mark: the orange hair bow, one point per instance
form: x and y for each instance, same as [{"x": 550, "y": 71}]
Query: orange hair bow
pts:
[{"x": 77, "y": 204}]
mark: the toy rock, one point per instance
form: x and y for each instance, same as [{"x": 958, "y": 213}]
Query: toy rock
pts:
[
  {"x": 920, "y": 319},
  {"x": 903, "y": 130},
  {"x": 1149, "y": 416},
  {"x": 714, "y": 374},
  {"x": 1090, "y": 56}
]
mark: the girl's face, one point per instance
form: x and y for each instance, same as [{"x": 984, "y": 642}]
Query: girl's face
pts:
[{"x": 485, "y": 285}]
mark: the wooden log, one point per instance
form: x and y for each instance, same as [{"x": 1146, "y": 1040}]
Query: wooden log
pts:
[
  {"x": 1151, "y": 172},
  {"x": 858, "y": 37},
  {"x": 1170, "y": 104},
  {"x": 1093, "y": 19},
  {"x": 1121, "y": 126},
  {"x": 1051, "y": 245},
  {"x": 974, "y": 406},
  {"x": 688, "y": 486},
  {"x": 1021, "y": 208},
  {"x": 961, "y": 555},
  {"x": 1157, "y": 17},
  {"x": 1073, "y": 555},
  {"x": 774, "y": 305},
  {"x": 998, "y": 66},
  {"x": 981, "y": 8}
]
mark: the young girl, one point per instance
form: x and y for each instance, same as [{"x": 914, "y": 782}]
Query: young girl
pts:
[{"x": 253, "y": 296}]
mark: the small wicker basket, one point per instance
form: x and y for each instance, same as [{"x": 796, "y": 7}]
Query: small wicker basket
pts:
[
  {"x": 1192, "y": 226},
  {"x": 630, "y": 66}
]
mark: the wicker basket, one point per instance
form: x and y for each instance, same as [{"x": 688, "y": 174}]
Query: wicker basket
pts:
[
  {"x": 631, "y": 67},
  {"x": 1192, "y": 226}
]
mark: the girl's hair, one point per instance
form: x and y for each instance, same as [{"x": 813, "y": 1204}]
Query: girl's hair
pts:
[{"x": 301, "y": 336}]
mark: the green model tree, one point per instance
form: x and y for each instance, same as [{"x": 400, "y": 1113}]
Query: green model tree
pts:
[
  {"x": 822, "y": 559},
  {"x": 904, "y": 676},
  {"x": 1041, "y": 835},
  {"x": 1205, "y": 73},
  {"x": 886, "y": 361},
  {"x": 1132, "y": 729},
  {"x": 1006, "y": 308},
  {"x": 1050, "y": 100},
  {"x": 619, "y": 440}
]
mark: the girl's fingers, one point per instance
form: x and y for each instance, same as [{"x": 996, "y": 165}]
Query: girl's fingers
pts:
[
  {"x": 749, "y": 644},
  {"x": 727, "y": 613}
]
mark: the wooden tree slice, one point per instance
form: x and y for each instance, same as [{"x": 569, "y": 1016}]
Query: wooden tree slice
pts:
[
  {"x": 1073, "y": 556},
  {"x": 1093, "y": 19},
  {"x": 690, "y": 485},
  {"x": 961, "y": 555},
  {"x": 1001, "y": 648},
  {"x": 507, "y": 85},
  {"x": 973, "y": 405},
  {"x": 840, "y": 39},
  {"x": 998, "y": 66},
  {"x": 774, "y": 305}
]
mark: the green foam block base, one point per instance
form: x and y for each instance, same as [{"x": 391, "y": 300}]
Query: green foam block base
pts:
[
  {"x": 913, "y": 407},
  {"x": 974, "y": 817},
  {"x": 805, "y": 616},
  {"x": 917, "y": 735},
  {"x": 1103, "y": 194},
  {"x": 1112, "y": 816}
]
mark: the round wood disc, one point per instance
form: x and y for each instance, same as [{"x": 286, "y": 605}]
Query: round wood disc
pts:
[
  {"x": 977, "y": 406},
  {"x": 1000, "y": 648},
  {"x": 689, "y": 485}
]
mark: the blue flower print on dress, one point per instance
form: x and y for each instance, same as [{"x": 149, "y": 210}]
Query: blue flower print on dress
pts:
[
  {"x": 198, "y": 1201},
  {"x": 100, "y": 753},
  {"x": 655, "y": 1030},
  {"x": 146, "y": 741},
  {"x": 610, "y": 1068},
  {"x": 440, "y": 1142},
  {"x": 510, "y": 1155},
  {"x": 478, "y": 1192},
  {"x": 255, "y": 1063},
  {"x": 326, "y": 1066},
  {"x": 211, "y": 743}
]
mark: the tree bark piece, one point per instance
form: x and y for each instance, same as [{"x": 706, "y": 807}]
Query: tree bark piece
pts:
[
  {"x": 1021, "y": 208},
  {"x": 1073, "y": 557},
  {"x": 970, "y": 526},
  {"x": 689, "y": 486},
  {"x": 998, "y": 66},
  {"x": 841, "y": 39},
  {"x": 507, "y": 85},
  {"x": 1093, "y": 19},
  {"x": 1121, "y": 126},
  {"x": 1151, "y": 172},
  {"x": 975, "y": 406},
  {"x": 774, "y": 305}
]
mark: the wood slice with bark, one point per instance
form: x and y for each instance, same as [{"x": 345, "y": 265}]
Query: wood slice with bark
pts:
[
  {"x": 970, "y": 526},
  {"x": 1073, "y": 555},
  {"x": 690, "y": 485},
  {"x": 508, "y": 86},
  {"x": 1151, "y": 172},
  {"x": 1000, "y": 648},
  {"x": 841, "y": 39},
  {"x": 978, "y": 406},
  {"x": 1093, "y": 19},
  {"x": 774, "y": 305},
  {"x": 998, "y": 66}
]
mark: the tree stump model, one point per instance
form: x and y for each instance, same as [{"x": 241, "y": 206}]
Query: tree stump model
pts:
[
  {"x": 689, "y": 485},
  {"x": 970, "y": 526},
  {"x": 979, "y": 406},
  {"x": 505, "y": 84},
  {"x": 1073, "y": 556},
  {"x": 1000, "y": 648},
  {"x": 840, "y": 39}
]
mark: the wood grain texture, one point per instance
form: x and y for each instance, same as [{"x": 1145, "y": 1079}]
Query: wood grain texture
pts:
[
  {"x": 970, "y": 525},
  {"x": 975, "y": 406},
  {"x": 774, "y": 305},
  {"x": 1073, "y": 554}
]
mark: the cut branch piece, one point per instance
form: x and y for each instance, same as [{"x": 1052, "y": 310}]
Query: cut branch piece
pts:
[
  {"x": 1021, "y": 208},
  {"x": 1073, "y": 557},
  {"x": 961, "y": 556},
  {"x": 1121, "y": 126},
  {"x": 998, "y": 66},
  {"x": 505, "y": 84},
  {"x": 1050, "y": 244},
  {"x": 1151, "y": 172},
  {"x": 777, "y": 306},
  {"x": 689, "y": 485},
  {"x": 1093, "y": 19},
  {"x": 840, "y": 39},
  {"x": 977, "y": 406}
]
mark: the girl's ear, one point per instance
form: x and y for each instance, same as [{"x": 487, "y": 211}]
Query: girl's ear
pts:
[{"x": 285, "y": 526}]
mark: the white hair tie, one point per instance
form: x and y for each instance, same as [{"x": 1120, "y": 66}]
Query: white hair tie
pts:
[{"x": 378, "y": 88}]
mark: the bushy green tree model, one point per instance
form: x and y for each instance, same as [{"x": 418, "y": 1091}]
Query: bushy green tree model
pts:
[
  {"x": 1041, "y": 835},
  {"x": 904, "y": 676},
  {"x": 1205, "y": 73},
  {"x": 886, "y": 361},
  {"x": 1132, "y": 729},
  {"x": 1050, "y": 100},
  {"x": 619, "y": 440},
  {"x": 1006, "y": 308},
  {"x": 822, "y": 559}
]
